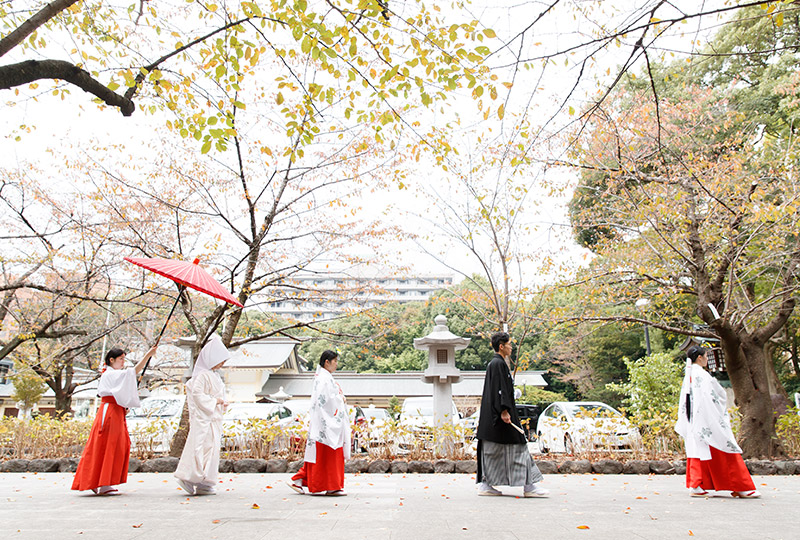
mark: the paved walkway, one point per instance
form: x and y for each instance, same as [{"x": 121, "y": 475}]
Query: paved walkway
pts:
[{"x": 407, "y": 507}]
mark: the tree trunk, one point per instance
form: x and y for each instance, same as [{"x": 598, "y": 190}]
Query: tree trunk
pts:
[
  {"x": 63, "y": 402},
  {"x": 746, "y": 362},
  {"x": 778, "y": 394}
]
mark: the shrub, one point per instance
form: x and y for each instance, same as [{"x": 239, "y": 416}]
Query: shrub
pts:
[
  {"x": 43, "y": 437},
  {"x": 788, "y": 430},
  {"x": 652, "y": 394}
]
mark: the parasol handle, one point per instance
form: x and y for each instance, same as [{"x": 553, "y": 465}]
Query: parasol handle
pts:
[
  {"x": 163, "y": 329},
  {"x": 515, "y": 426}
]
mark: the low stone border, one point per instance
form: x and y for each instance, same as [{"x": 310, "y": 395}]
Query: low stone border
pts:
[{"x": 382, "y": 466}]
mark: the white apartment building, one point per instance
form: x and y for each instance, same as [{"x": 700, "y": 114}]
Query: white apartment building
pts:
[{"x": 312, "y": 297}]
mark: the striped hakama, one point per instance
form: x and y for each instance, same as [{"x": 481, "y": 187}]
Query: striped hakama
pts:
[{"x": 506, "y": 465}]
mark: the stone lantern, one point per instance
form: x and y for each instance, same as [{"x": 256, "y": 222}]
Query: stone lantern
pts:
[{"x": 442, "y": 372}]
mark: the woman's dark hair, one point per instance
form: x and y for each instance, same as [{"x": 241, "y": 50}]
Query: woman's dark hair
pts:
[
  {"x": 695, "y": 352},
  {"x": 116, "y": 352},
  {"x": 327, "y": 355},
  {"x": 498, "y": 339}
]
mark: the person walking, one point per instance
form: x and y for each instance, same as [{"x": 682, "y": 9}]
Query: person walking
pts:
[
  {"x": 503, "y": 455},
  {"x": 713, "y": 458},
  {"x": 198, "y": 468},
  {"x": 328, "y": 443},
  {"x": 104, "y": 463}
]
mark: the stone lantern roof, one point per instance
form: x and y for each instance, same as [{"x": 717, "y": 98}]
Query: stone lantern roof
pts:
[{"x": 441, "y": 335}]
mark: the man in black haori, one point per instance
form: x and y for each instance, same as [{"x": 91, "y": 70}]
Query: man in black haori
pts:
[{"x": 503, "y": 456}]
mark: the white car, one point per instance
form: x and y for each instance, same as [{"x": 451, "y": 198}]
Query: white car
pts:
[
  {"x": 375, "y": 415},
  {"x": 418, "y": 412},
  {"x": 584, "y": 425},
  {"x": 299, "y": 408},
  {"x": 237, "y": 412},
  {"x": 154, "y": 422},
  {"x": 371, "y": 427},
  {"x": 471, "y": 422},
  {"x": 416, "y": 422}
]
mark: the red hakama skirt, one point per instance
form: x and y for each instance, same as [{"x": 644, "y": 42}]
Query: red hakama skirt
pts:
[
  {"x": 723, "y": 472},
  {"x": 327, "y": 474},
  {"x": 105, "y": 459}
]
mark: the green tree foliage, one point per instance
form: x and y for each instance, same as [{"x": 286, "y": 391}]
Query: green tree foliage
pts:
[
  {"x": 363, "y": 54},
  {"x": 654, "y": 384},
  {"x": 382, "y": 340},
  {"x": 28, "y": 388},
  {"x": 394, "y": 408},
  {"x": 651, "y": 398},
  {"x": 699, "y": 184}
]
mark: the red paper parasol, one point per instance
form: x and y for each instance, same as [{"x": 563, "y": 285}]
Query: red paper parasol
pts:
[
  {"x": 188, "y": 274},
  {"x": 185, "y": 274}
]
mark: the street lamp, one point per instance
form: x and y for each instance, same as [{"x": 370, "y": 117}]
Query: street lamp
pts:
[{"x": 640, "y": 305}]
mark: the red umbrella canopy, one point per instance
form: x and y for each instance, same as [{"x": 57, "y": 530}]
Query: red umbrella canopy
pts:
[{"x": 188, "y": 274}]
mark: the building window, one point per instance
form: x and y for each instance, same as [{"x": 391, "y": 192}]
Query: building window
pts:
[{"x": 4, "y": 369}]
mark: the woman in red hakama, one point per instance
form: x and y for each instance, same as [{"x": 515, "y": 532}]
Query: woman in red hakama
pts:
[
  {"x": 104, "y": 462},
  {"x": 713, "y": 457},
  {"x": 328, "y": 442}
]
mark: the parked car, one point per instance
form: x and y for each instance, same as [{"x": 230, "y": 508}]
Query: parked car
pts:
[
  {"x": 299, "y": 409},
  {"x": 418, "y": 411},
  {"x": 375, "y": 415},
  {"x": 528, "y": 416},
  {"x": 247, "y": 424},
  {"x": 154, "y": 422},
  {"x": 264, "y": 411},
  {"x": 584, "y": 425},
  {"x": 471, "y": 422}
]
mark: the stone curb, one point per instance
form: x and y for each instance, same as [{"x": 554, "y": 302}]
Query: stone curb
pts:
[{"x": 399, "y": 466}]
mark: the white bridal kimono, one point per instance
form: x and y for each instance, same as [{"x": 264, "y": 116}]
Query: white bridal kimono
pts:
[
  {"x": 329, "y": 421},
  {"x": 199, "y": 463},
  {"x": 709, "y": 425}
]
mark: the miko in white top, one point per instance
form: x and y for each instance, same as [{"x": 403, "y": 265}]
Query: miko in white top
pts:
[{"x": 120, "y": 382}]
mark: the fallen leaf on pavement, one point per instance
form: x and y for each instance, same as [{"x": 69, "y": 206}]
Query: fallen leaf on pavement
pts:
[
  {"x": 214, "y": 521},
  {"x": 137, "y": 526},
  {"x": 255, "y": 506},
  {"x": 583, "y": 526}
]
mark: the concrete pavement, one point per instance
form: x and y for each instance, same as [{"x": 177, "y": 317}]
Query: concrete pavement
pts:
[{"x": 405, "y": 507}]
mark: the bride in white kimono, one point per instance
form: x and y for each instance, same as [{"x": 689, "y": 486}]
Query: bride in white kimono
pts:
[
  {"x": 198, "y": 468},
  {"x": 713, "y": 458}
]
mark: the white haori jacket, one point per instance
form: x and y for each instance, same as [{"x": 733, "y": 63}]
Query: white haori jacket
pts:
[
  {"x": 709, "y": 423},
  {"x": 329, "y": 421},
  {"x": 199, "y": 463}
]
